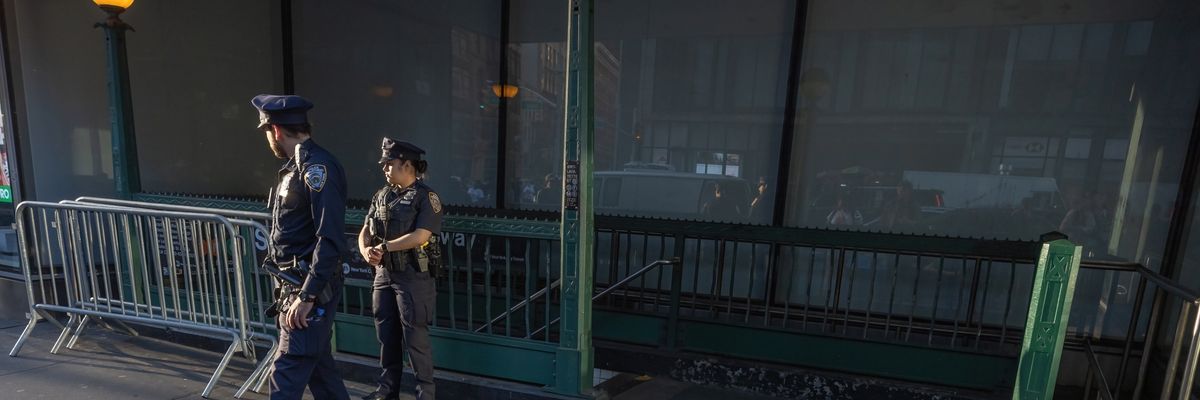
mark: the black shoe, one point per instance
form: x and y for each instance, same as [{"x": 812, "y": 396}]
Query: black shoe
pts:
[{"x": 381, "y": 395}]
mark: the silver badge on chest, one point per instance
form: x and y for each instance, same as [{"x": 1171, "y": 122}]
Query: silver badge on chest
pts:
[
  {"x": 285, "y": 186},
  {"x": 408, "y": 197}
]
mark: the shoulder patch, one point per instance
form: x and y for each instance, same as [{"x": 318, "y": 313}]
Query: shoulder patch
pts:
[
  {"x": 435, "y": 202},
  {"x": 315, "y": 177}
]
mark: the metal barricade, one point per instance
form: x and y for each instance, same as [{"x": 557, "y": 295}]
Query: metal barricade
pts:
[
  {"x": 176, "y": 270},
  {"x": 252, "y": 235}
]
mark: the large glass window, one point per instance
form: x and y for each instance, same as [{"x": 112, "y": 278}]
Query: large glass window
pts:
[
  {"x": 996, "y": 122},
  {"x": 415, "y": 71},
  {"x": 193, "y": 119},
  {"x": 688, "y": 107},
  {"x": 65, "y": 120},
  {"x": 537, "y": 56}
]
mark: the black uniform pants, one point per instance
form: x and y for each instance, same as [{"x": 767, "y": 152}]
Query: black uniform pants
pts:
[
  {"x": 404, "y": 303},
  {"x": 306, "y": 358}
]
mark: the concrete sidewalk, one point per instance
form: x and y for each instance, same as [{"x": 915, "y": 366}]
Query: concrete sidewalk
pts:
[{"x": 108, "y": 365}]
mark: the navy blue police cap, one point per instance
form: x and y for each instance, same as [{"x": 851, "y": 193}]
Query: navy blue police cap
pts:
[
  {"x": 397, "y": 150},
  {"x": 281, "y": 109}
]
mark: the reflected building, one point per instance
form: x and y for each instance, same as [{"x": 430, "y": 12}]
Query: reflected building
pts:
[{"x": 986, "y": 121}]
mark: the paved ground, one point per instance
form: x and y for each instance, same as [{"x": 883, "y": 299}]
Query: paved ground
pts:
[
  {"x": 106, "y": 365},
  {"x": 667, "y": 389}
]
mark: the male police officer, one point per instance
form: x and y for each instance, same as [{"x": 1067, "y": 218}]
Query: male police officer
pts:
[{"x": 308, "y": 207}]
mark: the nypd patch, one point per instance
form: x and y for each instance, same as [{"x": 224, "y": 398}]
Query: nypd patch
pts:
[
  {"x": 435, "y": 202},
  {"x": 315, "y": 176}
]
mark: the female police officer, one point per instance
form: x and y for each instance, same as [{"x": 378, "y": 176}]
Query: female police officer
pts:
[{"x": 400, "y": 238}]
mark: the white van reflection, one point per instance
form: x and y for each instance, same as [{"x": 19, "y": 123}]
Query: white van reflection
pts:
[{"x": 677, "y": 195}]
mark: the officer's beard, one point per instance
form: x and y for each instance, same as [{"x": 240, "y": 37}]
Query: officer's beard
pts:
[{"x": 277, "y": 148}]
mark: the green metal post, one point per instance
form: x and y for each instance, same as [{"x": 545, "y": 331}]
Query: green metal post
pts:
[
  {"x": 120, "y": 106},
  {"x": 676, "y": 292},
  {"x": 1046, "y": 326},
  {"x": 573, "y": 374}
]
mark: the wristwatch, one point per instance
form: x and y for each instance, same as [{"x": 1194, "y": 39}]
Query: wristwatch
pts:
[{"x": 308, "y": 298}]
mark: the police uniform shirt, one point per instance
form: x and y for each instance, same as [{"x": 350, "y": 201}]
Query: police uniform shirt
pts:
[
  {"x": 309, "y": 211},
  {"x": 408, "y": 209}
]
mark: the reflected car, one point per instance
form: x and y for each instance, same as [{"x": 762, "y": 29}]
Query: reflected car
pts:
[{"x": 676, "y": 195}]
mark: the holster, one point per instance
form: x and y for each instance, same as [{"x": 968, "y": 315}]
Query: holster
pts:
[
  {"x": 396, "y": 261},
  {"x": 290, "y": 277}
]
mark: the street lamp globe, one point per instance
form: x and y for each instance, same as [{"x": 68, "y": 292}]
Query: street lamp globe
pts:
[
  {"x": 114, "y": 6},
  {"x": 505, "y": 91}
]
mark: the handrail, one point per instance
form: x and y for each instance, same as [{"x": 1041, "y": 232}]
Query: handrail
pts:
[
  {"x": 1187, "y": 333},
  {"x": 1170, "y": 286},
  {"x": 1094, "y": 368},
  {"x": 635, "y": 275},
  {"x": 1109, "y": 265},
  {"x": 671, "y": 261},
  {"x": 1184, "y": 293},
  {"x": 541, "y": 292}
]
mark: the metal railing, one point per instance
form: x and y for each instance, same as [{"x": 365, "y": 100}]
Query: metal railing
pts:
[
  {"x": 488, "y": 279},
  {"x": 939, "y": 293},
  {"x": 506, "y": 284},
  {"x": 943, "y": 293},
  {"x": 1096, "y": 374},
  {"x": 491, "y": 264},
  {"x": 476, "y": 287},
  {"x": 1167, "y": 294},
  {"x": 163, "y": 268},
  {"x": 259, "y": 285},
  {"x": 622, "y": 283},
  {"x": 935, "y": 299},
  {"x": 252, "y": 237}
]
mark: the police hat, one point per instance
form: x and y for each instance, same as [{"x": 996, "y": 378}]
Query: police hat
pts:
[
  {"x": 281, "y": 109},
  {"x": 397, "y": 150}
]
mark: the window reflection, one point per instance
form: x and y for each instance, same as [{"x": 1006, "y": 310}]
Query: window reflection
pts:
[
  {"x": 1002, "y": 122},
  {"x": 687, "y": 114},
  {"x": 200, "y": 91},
  {"x": 424, "y": 77}
]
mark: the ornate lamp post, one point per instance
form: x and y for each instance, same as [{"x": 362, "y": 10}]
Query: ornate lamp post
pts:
[{"x": 125, "y": 169}]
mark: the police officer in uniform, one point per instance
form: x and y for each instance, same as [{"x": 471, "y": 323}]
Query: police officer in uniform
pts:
[
  {"x": 308, "y": 207},
  {"x": 400, "y": 238}
]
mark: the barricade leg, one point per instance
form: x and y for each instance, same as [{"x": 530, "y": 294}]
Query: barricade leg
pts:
[
  {"x": 79, "y": 331},
  {"x": 259, "y": 375},
  {"x": 33, "y": 320},
  {"x": 267, "y": 371},
  {"x": 212, "y": 382},
  {"x": 125, "y": 327},
  {"x": 46, "y": 316},
  {"x": 66, "y": 332},
  {"x": 117, "y": 326}
]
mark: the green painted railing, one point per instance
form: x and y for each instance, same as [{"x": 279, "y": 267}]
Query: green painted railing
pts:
[
  {"x": 485, "y": 255},
  {"x": 961, "y": 303}
]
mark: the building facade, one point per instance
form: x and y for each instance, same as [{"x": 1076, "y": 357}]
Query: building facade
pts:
[{"x": 977, "y": 121}]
